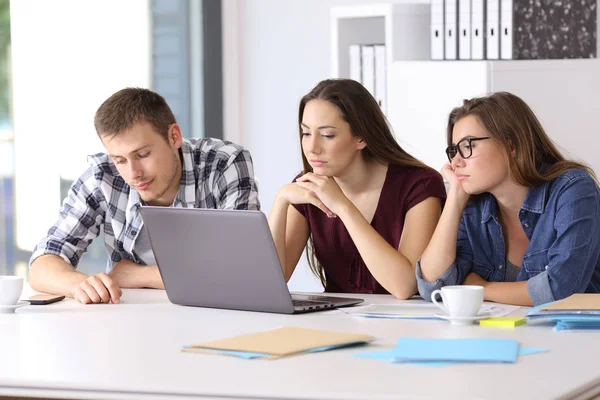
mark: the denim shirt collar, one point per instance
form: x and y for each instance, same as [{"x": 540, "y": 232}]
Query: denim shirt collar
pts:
[{"x": 535, "y": 202}]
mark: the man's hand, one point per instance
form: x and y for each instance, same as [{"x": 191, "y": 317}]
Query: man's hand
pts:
[{"x": 97, "y": 289}]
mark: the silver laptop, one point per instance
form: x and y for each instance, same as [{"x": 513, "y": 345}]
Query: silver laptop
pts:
[{"x": 224, "y": 259}]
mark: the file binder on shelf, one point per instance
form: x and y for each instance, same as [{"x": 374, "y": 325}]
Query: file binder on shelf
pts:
[
  {"x": 464, "y": 29},
  {"x": 437, "y": 29},
  {"x": 355, "y": 69},
  {"x": 368, "y": 67},
  {"x": 477, "y": 29},
  {"x": 450, "y": 26},
  {"x": 528, "y": 30},
  {"x": 492, "y": 27},
  {"x": 506, "y": 29}
]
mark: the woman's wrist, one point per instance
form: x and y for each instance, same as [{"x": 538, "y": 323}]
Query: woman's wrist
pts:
[
  {"x": 345, "y": 210},
  {"x": 280, "y": 199},
  {"x": 457, "y": 198}
]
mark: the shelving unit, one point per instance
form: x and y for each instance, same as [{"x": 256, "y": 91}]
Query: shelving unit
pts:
[
  {"x": 402, "y": 27},
  {"x": 421, "y": 93}
]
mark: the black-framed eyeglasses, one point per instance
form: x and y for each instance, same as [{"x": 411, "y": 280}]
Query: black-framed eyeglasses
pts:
[{"x": 463, "y": 147}]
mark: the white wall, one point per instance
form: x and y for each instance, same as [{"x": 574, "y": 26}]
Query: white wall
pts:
[
  {"x": 275, "y": 52},
  {"x": 565, "y": 95},
  {"x": 68, "y": 56}
]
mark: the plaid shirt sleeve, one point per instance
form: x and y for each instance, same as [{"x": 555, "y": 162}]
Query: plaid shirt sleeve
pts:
[
  {"x": 79, "y": 222},
  {"x": 235, "y": 186}
]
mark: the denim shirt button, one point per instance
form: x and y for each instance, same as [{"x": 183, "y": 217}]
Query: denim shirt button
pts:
[
  {"x": 546, "y": 267},
  {"x": 526, "y": 225},
  {"x": 499, "y": 266}
]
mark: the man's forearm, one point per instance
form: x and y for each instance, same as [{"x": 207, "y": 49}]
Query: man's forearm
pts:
[
  {"x": 153, "y": 278},
  {"x": 128, "y": 274},
  {"x": 51, "y": 274}
]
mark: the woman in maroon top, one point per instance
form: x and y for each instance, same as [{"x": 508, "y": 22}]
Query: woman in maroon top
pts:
[{"x": 368, "y": 207}]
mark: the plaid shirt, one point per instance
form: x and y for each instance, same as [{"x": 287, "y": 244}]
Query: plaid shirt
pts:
[{"x": 215, "y": 174}]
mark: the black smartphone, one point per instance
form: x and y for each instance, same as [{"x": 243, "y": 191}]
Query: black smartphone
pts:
[{"x": 41, "y": 299}]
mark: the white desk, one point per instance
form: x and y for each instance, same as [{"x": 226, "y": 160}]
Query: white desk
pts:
[{"x": 132, "y": 350}]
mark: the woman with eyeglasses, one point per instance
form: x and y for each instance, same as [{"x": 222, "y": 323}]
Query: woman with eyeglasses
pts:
[
  {"x": 363, "y": 207},
  {"x": 520, "y": 220}
]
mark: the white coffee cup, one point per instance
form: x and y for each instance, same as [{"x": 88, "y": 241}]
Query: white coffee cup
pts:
[
  {"x": 461, "y": 301},
  {"x": 10, "y": 289}
]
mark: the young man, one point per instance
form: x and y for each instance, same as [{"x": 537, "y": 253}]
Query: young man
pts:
[{"x": 147, "y": 162}]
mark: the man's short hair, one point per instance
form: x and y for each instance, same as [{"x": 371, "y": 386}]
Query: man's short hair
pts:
[{"x": 127, "y": 107}]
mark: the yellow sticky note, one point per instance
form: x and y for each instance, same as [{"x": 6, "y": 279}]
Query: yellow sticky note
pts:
[{"x": 504, "y": 322}]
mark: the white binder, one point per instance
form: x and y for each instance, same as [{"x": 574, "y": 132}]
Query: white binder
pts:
[
  {"x": 354, "y": 54},
  {"x": 506, "y": 30},
  {"x": 380, "y": 76},
  {"x": 367, "y": 55},
  {"x": 437, "y": 29},
  {"x": 477, "y": 30},
  {"x": 450, "y": 26},
  {"x": 492, "y": 30},
  {"x": 464, "y": 29}
]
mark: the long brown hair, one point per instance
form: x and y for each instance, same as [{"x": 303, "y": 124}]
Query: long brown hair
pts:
[
  {"x": 361, "y": 111},
  {"x": 511, "y": 123}
]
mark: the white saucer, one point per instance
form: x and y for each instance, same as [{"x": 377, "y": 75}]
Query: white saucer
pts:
[
  {"x": 11, "y": 309},
  {"x": 462, "y": 320}
]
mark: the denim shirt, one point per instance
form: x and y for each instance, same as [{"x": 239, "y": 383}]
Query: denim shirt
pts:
[{"x": 561, "y": 218}]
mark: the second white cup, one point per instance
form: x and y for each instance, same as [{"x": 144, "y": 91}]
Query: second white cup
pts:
[{"x": 460, "y": 301}]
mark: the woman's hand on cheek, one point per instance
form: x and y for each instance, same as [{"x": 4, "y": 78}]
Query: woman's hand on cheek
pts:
[{"x": 454, "y": 185}]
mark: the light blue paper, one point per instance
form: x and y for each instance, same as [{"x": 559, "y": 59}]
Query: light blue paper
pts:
[
  {"x": 242, "y": 354},
  {"x": 585, "y": 319},
  {"x": 576, "y": 322},
  {"x": 463, "y": 350},
  {"x": 525, "y": 351},
  {"x": 576, "y": 326},
  {"x": 389, "y": 356},
  {"x": 538, "y": 307}
]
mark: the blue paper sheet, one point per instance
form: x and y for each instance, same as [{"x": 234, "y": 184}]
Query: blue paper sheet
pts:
[
  {"x": 389, "y": 356},
  {"x": 585, "y": 319},
  {"x": 567, "y": 326},
  {"x": 482, "y": 350},
  {"x": 242, "y": 354},
  {"x": 525, "y": 351}
]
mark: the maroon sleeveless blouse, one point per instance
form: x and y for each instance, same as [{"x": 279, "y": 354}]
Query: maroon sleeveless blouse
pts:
[{"x": 345, "y": 270}]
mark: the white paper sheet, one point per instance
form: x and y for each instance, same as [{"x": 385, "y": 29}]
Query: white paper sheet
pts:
[{"x": 422, "y": 310}]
